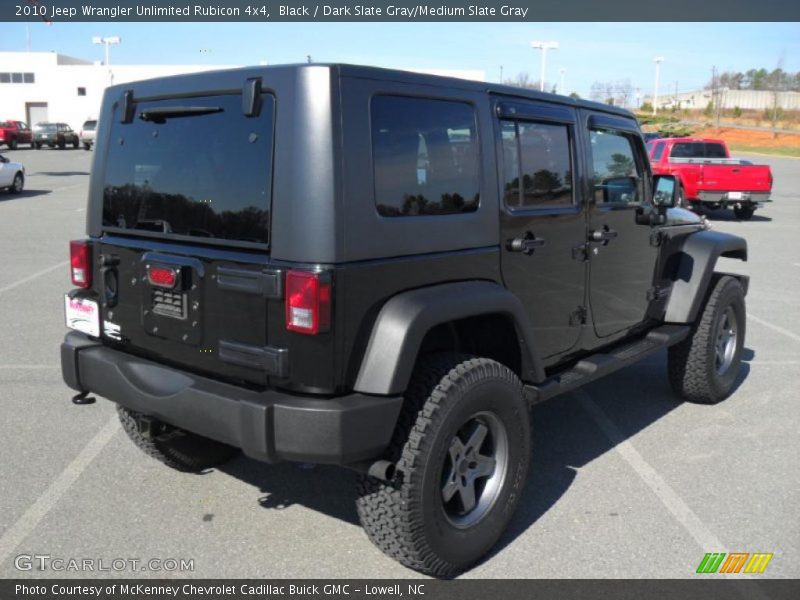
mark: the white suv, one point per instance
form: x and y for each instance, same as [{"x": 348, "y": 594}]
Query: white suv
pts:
[{"x": 87, "y": 134}]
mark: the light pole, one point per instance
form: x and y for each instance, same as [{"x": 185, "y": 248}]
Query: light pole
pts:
[
  {"x": 658, "y": 60},
  {"x": 544, "y": 47},
  {"x": 107, "y": 41},
  {"x": 562, "y": 71}
]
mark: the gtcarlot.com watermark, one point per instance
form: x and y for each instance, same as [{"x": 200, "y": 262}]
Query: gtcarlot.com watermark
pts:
[{"x": 46, "y": 562}]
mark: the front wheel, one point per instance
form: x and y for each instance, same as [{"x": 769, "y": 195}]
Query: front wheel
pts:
[
  {"x": 744, "y": 213},
  {"x": 75, "y": 144},
  {"x": 87, "y": 146},
  {"x": 461, "y": 449},
  {"x": 18, "y": 184},
  {"x": 703, "y": 367}
]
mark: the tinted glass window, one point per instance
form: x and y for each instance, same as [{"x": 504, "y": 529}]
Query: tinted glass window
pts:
[
  {"x": 538, "y": 166},
  {"x": 90, "y": 125},
  {"x": 5, "y": 77},
  {"x": 16, "y": 78},
  {"x": 201, "y": 175},
  {"x": 714, "y": 151},
  {"x": 697, "y": 150},
  {"x": 28, "y": 78},
  {"x": 658, "y": 151},
  {"x": 617, "y": 174},
  {"x": 425, "y": 154}
]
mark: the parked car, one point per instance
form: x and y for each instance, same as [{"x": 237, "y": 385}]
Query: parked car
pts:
[
  {"x": 55, "y": 135},
  {"x": 88, "y": 133},
  {"x": 382, "y": 270},
  {"x": 12, "y": 175},
  {"x": 709, "y": 177},
  {"x": 13, "y": 133}
]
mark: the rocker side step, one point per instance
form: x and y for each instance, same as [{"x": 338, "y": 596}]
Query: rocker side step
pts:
[{"x": 601, "y": 364}]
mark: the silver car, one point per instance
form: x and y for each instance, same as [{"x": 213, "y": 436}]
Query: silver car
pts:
[
  {"x": 12, "y": 175},
  {"x": 87, "y": 134}
]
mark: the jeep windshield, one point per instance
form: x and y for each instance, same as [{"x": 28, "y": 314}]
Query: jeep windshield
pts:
[{"x": 188, "y": 173}]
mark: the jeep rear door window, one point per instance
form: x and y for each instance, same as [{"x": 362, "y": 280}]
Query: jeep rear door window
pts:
[
  {"x": 659, "y": 150},
  {"x": 191, "y": 168},
  {"x": 425, "y": 156},
  {"x": 537, "y": 163},
  {"x": 617, "y": 173}
]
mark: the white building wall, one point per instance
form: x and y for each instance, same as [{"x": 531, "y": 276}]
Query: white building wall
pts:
[
  {"x": 57, "y": 79},
  {"x": 744, "y": 99}
]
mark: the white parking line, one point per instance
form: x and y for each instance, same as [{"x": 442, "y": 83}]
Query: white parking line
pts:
[
  {"x": 786, "y": 332},
  {"x": 673, "y": 503},
  {"x": 17, "y": 533},
  {"x": 16, "y": 284}
]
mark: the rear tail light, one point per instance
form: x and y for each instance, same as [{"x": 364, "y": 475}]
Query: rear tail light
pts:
[
  {"x": 162, "y": 277},
  {"x": 308, "y": 302},
  {"x": 80, "y": 259}
]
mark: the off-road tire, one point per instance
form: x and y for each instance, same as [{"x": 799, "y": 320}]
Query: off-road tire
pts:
[
  {"x": 75, "y": 144},
  {"x": 178, "y": 449},
  {"x": 691, "y": 363},
  {"x": 12, "y": 145},
  {"x": 87, "y": 146},
  {"x": 405, "y": 517},
  {"x": 744, "y": 213}
]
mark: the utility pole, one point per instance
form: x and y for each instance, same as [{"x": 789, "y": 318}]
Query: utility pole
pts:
[
  {"x": 658, "y": 60},
  {"x": 501, "y": 73},
  {"x": 544, "y": 47},
  {"x": 562, "y": 71}
]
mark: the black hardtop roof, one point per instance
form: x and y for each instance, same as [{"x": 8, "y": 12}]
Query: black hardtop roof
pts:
[{"x": 365, "y": 72}]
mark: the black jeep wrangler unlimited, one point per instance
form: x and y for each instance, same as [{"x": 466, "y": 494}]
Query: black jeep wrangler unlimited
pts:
[{"x": 382, "y": 270}]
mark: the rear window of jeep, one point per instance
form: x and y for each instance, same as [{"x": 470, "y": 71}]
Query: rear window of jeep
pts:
[
  {"x": 191, "y": 168},
  {"x": 425, "y": 156}
]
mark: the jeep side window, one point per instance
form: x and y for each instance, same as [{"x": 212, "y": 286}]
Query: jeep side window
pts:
[
  {"x": 537, "y": 156},
  {"x": 425, "y": 156},
  {"x": 617, "y": 174},
  {"x": 659, "y": 150}
]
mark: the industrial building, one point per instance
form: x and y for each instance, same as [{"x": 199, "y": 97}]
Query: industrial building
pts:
[{"x": 46, "y": 86}]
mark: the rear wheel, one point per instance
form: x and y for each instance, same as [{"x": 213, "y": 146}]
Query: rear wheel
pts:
[
  {"x": 744, "y": 212},
  {"x": 12, "y": 144},
  {"x": 461, "y": 451},
  {"x": 75, "y": 144},
  {"x": 176, "y": 448},
  {"x": 18, "y": 184},
  {"x": 87, "y": 146},
  {"x": 703, "y": 368}
]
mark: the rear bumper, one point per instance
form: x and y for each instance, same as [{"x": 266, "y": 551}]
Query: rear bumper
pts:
[
  {"x": 269, "y": 426},
  {"x": 724, "y": 199}
]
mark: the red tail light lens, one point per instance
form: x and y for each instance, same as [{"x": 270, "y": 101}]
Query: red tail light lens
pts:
[
  {"x": 80, "y": 258},
  {"x": 162, "y": 277},
  {"x": 308, "y": 302}
]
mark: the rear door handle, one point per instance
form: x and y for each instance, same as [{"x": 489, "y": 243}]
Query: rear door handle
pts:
[
  {"x": 604, "y": 235},
  {"x": 527, "y": 245}
]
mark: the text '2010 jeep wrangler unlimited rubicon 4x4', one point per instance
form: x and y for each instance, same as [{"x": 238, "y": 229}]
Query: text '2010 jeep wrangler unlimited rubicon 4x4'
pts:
[{"x": 382, "y": 270}]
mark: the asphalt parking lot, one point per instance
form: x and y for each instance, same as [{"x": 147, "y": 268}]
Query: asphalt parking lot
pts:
[{"x": 625, "y": 482}]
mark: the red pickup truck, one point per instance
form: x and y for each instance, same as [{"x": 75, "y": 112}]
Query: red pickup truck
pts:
[
  {"x": 15, "y": 132},
  {"x": 709, "y": 176}
]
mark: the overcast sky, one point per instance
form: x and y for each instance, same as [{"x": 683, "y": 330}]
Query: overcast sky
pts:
[{"x": 589, "y": 51}]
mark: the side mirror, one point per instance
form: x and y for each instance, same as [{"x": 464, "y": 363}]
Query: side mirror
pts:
[{"x": 665, "y": 191}]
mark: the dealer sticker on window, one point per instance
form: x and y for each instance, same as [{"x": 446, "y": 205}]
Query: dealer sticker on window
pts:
[{"x": 83, "y": 315}]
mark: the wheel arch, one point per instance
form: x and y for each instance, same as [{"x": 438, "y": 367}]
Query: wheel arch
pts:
[
  {"x": 436, "y": 318},
  {"x": 697, "y": 260}
]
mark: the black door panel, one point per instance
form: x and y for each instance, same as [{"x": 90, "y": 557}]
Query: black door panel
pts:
[
  {"x": 621, "y": 257},
  {"x": 542, "y": 223}
]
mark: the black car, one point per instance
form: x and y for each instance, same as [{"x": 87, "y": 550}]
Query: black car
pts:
[
  {"x": 385, "y": 271},
  {"x": 55, "y": 135}
]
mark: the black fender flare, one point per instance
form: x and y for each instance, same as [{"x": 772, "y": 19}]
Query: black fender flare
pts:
[
  {"x": 698, "y": 257},
  {"x": 404, "y": 320}
]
